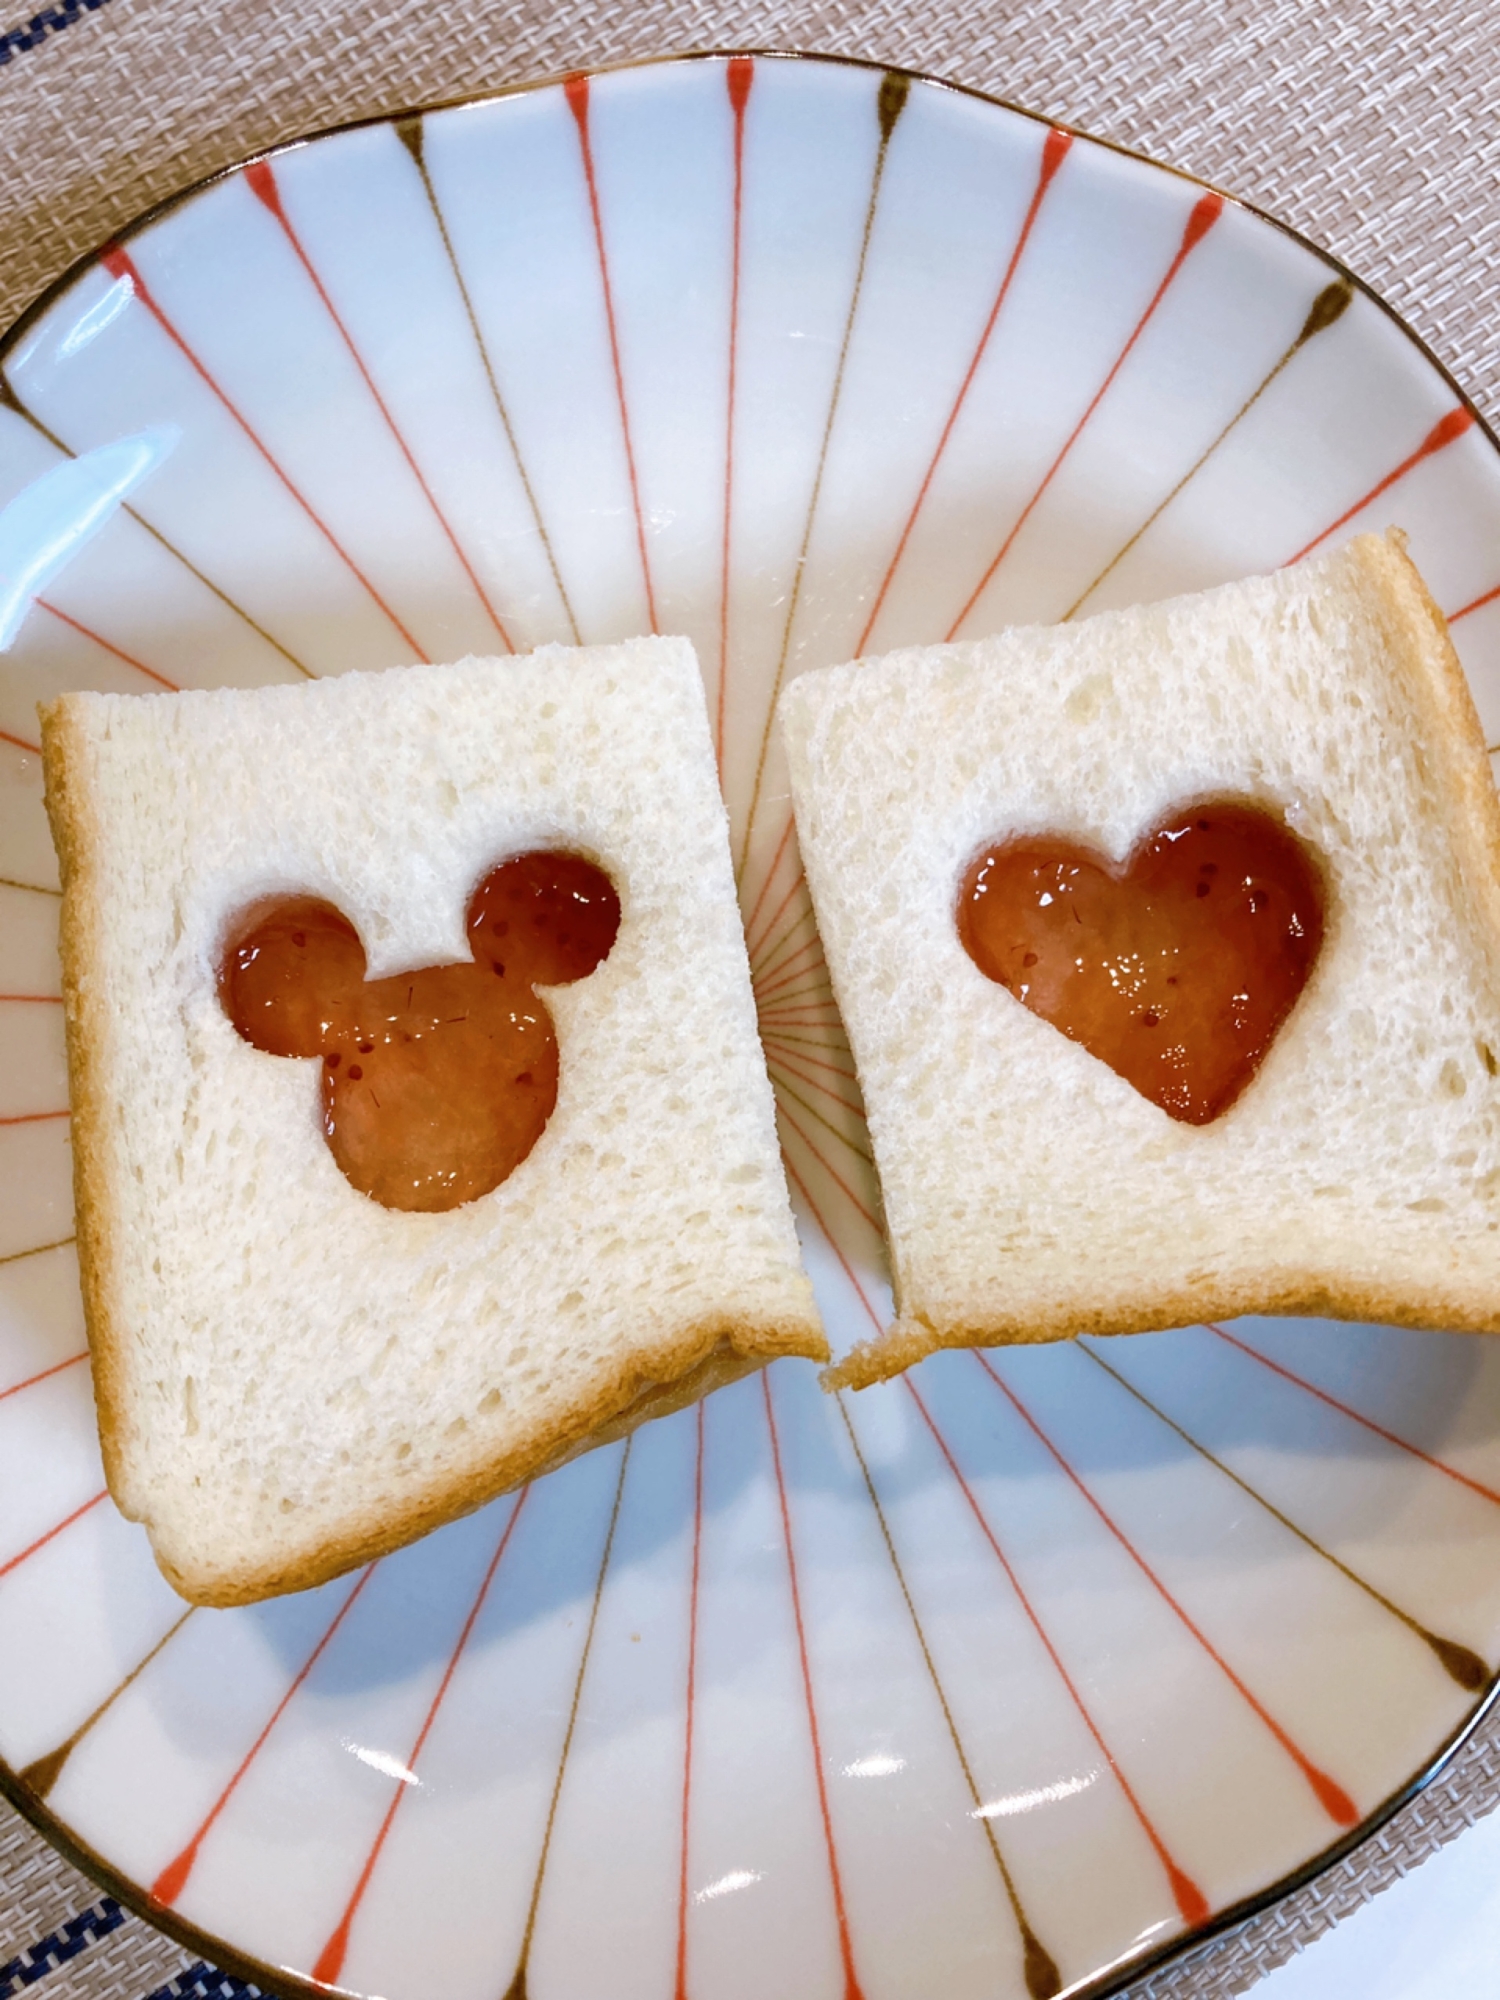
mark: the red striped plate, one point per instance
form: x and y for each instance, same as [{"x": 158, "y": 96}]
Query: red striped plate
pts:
[{"x": 1003, "y": 1679}]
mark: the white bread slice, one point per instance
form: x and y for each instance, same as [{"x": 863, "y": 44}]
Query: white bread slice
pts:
[
  {"x": 1030, "y": 1192},
  {"x": 290, "y": 1377}
]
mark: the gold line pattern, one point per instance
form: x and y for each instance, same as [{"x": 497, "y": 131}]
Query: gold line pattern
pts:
[
  {"x": 890, "y": 103},
  {"x": 10, "y": 400},
  {"x": 1459, "y": 1662},
  {"x": 1328, "y": 307},
  {"x": 1043, "y": 1979},
  {"x": 43, "y": 1773},
  {"x": 410, "y": 132},
  {"x": 517, "y": 1988},
  {"x": 37, "y": 1250}
]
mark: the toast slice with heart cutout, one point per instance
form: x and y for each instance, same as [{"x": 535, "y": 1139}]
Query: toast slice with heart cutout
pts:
[{"x": 1168, "y": 947}]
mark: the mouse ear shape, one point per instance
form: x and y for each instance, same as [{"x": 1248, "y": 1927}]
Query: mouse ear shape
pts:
[
  {"x": 547, "y": 918},
  {"x": 291, "y": 977}
]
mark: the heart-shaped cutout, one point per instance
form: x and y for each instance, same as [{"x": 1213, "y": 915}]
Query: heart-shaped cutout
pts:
[{"x": 1177, "y": 968}]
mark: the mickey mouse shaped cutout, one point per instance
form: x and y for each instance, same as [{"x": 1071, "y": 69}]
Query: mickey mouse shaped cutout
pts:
[{"x": 438, "y": 1083}]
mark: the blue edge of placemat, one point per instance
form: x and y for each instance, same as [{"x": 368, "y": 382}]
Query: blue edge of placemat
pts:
[
  {"x": 50, "y": 21},
  {"x": 196, "y": 1982}
]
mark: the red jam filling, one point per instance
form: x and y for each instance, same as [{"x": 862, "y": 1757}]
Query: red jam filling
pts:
[
  {"x": 1177, "y": 968},
  {"x": 436, "y": 1084}
]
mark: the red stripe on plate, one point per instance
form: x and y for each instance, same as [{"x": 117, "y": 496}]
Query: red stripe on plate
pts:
[
  {"x": 261, "y": 177},
  {"x": 330, "y": 1959},
  {"x": 1334, "y": 1800},
  {"x": 841, "y": 1915},
  {"x": 1054, "y": 147},
  {"x": 1474, "y": 604},
  {"x": 1448, "y": 1471},
  {"x": 118, "y": 262},
  {"x": 41, "y": 1541},
  {"x": 108, "y": 646},
  {"x": 576, "y": 90},
  {"x": 1442, "y": 434},
  {"x": 1205, "y": 213},
  {"x": 172, "y": 1880},
  {"x": 680, "y": 1991},
  {"x": 44, "y": 1375},
  {"x": 1191, "y": 1902}
]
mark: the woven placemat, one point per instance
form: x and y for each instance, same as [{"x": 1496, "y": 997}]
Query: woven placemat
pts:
[{"x": 1370, "y": 129}]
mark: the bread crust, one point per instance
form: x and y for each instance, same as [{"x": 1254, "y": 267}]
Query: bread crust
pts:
[
  {"x": 75, "y": 835},
  {"x": 1423, "y": 649},
  {"x": 677, "y": 1351},
  {"x": 690, "y": 1363},
  {"x": 1457, "y": 764},
  {"x": 910, "y": 1340}
]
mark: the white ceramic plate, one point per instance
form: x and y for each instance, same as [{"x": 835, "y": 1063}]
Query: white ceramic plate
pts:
[{"x": 1002, "y": 1679}]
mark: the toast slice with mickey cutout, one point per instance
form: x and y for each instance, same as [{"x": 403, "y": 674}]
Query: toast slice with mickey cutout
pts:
[
  {"x": 300, "y": 1364},
  {"x": 1058, "y": 1152}
]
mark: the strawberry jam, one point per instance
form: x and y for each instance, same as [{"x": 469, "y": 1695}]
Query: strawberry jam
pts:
[
  {"x": 1176, "y": 968},
  {"x": 436, "y": 1084}
]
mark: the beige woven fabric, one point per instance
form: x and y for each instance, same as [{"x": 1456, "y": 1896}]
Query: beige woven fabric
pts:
[
  {"x": 1369, "y": 127},
  {"x": 1363, "y": 125}
]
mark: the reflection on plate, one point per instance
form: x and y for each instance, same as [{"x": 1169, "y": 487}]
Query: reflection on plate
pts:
[{"x": 994, "y": 1681}]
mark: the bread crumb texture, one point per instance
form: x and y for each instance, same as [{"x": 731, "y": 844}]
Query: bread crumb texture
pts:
[
  {"x": 291, "y": 1378},
  {"x": 1030, "y": 1192}
]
